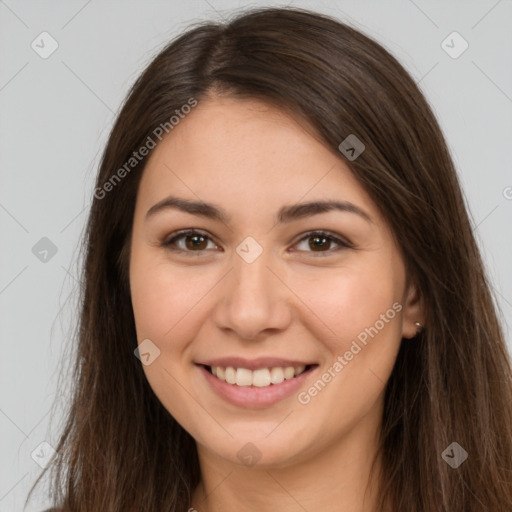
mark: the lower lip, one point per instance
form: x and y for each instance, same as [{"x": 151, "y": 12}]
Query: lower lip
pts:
[{"x": 252, "y": 396}]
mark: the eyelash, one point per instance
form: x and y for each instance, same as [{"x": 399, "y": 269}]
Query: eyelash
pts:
[{"x": 168, "y": 244}]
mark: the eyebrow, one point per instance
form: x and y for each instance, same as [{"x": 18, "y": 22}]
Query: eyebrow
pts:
[{"x": 286, "y": 213}]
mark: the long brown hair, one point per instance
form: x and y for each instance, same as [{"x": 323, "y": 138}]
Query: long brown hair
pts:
[{"x": 121, "y": 450}]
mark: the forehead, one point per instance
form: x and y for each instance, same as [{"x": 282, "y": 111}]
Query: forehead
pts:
[{"x": 249, "y": 155}]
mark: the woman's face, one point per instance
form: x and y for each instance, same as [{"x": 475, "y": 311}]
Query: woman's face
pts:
[{"x": 255, "y": 291}]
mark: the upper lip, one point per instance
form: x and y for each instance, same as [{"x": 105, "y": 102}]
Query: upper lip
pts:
[{"x": 254, "y": 364}]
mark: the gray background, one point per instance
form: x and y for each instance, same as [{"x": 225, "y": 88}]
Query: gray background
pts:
[{"x": 56, "y": 114}]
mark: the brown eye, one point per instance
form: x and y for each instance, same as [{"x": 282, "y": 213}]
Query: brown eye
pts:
[
  {"x": 320, "y": 241},
  {"x": 188, "y": 241},
  {"x": 193, "y": 242}
]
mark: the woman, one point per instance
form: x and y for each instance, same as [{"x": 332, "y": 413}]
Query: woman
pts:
[{"x": 223, "y": 363}]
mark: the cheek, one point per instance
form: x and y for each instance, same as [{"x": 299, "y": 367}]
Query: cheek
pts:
[
  {"x": 349, "y": 301},
  {"x": 166, "y": 302},
  {"x": 166, "y": 306},
  {"x": 152, "y": 299},
  {"x": 361, "y": 306}
]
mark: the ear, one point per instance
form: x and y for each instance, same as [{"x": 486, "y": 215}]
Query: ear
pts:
[{"x": 413, "y": 311}]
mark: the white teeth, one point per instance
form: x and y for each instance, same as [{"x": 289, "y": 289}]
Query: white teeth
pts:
[
  {"x": 289, "y": 372},
  {"x": 243, "y": 377},
  {"x": 260, "y": 378},
  {"x": 230, "y": 375},
  {"x": 276, "y": 375},
  {"x": 299, "y": 369}
]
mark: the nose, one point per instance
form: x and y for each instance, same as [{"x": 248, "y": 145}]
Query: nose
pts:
[{"x": 254, "y": 301}]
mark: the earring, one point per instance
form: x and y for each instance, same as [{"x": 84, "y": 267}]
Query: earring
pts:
[{"x": 419, "y": 326}]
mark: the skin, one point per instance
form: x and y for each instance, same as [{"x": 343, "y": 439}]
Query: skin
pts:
[{"x": 293, "y": 302}]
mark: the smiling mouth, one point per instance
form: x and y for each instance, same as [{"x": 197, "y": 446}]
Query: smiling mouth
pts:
[{"x": 260, "y": 378}]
